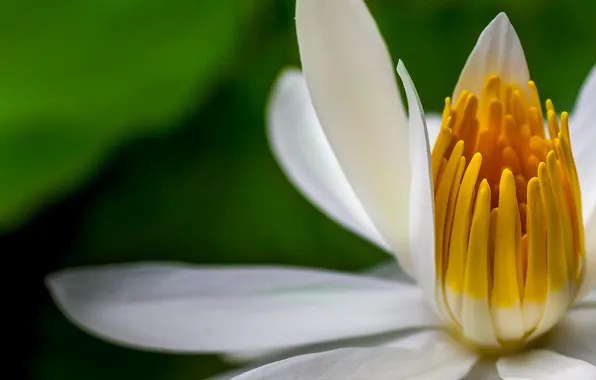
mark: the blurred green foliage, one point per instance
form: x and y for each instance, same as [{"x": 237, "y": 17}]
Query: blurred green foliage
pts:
[
  {"x": 79, "y": 78},
  {"x": 168, "y": 99}
]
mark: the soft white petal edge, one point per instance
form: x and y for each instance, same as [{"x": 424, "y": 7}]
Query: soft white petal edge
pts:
[
  {"x": 304, "y": 154},
  {"x": 544, "y": 365},
  {"x": 353, "y": 88},
  {"x": 422, "y": 221},
  {"x": 388, "y": 270},
  {"x": 583, "y": 138},
  {"x": 575, "y": 336},
  {"x": 433, "y": 126},
  {"x": 442, "y": 361},
  {"x": 409, "y": 339},
  {"x": 583, "y": 135},
  {"x": 589, "y": 298},
  {"x": 184, "y": 308},
  {"x": 498, "y": 51},
  {"x": 583, "y": 117},
  {"x": 589, "y": 280}
]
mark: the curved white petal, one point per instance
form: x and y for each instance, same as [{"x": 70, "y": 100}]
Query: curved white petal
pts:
[
  {"x": 421, "y": 339},
  {"x": 544, "y": 365},
  {"x": 583, "y": 137},
  {"x": 589, "y": 298},
  {"x": 410, "y": 340},
  {"x": 582, "y": 125},
  {"x": 352, "y": 84},
  {"x": 433, "y": 126},
  {"x": 422, "y": 221},
  {"x": 304, "y": 154},
  {"x": 229, "y": 374},
  {"x": 485, "y": 369},
  {"x": 589, "y": 280},
  {"x": 380, "y": 363},
  {"x": 414, "y": 338},
  {"x": 575, "y": 336},
  {"x": 175, "y": 307},
  {"x": 498, "y": 51},
  {"x": 388, "y": 270},
  {"x": 584, "y": 112}
]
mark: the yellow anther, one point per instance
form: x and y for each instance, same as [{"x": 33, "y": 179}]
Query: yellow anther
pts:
[
  {"x": 538, "y": 147},
  {"x": 492, "y": 88},
  {"x": 549, "y": 105},
  {"x": 536, "y": 122},
  {"x": 536, "y": 275},
  {"x": 535, "y": 98},
  {"x": 556, "y": 262},
  {"x": 495, "y": 117},
  {"x": 443, "y": 192},
  {"x": 553, "y": 123},
  {"x": 477, "y": 270},
  {"x": 446, "y": 111},
  {"x": 509, "y": 231},
  {"x": 518, "y": 108},
  {"x": 458, "y": 246},
  {"x": 451, "y": 206},
  {"x": 506, "y": 288},
  {"x": 443, "y": 141},
  {"x": 511, "y": 160}
]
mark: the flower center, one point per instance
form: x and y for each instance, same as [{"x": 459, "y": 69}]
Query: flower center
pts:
[{"x": 509, "y": 232}]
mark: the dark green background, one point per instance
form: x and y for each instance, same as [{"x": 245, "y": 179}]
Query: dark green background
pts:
[{"x": 134, "y": 130}]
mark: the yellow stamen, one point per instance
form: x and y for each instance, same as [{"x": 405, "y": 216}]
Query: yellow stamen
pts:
[
  {"x": 509, "y": 230},
  {"x": 536, "y": 276},
  {"x": 477, "y": 277}
]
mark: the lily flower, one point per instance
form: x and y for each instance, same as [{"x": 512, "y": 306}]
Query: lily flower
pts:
[{"x": 490, "y": 208}]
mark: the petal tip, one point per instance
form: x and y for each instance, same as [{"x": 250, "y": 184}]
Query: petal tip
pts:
[
  {"x": 287, "y": 79},
  {"x": 50, "y": 282},
  {"x": 502, "y": 17},
  {"x": 400, "y": 65},
  {"x": 501, "y": 21},
  {"x": 286, "y": 75}
]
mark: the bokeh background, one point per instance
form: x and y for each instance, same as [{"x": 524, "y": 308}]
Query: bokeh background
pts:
[{"x": 134, "y": 130}]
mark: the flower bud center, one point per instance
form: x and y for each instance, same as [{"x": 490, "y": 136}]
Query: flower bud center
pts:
[{"x": 509, "y": 232}]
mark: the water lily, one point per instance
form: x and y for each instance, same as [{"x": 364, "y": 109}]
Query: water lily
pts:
[{"x": 490, "y": 208}]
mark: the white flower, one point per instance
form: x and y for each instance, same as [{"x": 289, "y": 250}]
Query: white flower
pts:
[{"x": 513, "y": 287}]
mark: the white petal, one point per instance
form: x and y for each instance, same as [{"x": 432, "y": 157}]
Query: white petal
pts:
[
  {"x": 583, "y": 138},
  {"x": 229, "y": 374},
  {"x": 498, "y": 51},
  {"x": 421, "y": 339},
  {"x": 303, "y": 152},
  {"x": 174, "y": 307},
  {"x": 589, "y": 298},
  {"x": 589, "y": 280},
  {"x": 575, "y": 336},
  {"x": 388, "y": 270},
  {"x": 584, "y": 113},
  {"x": 544, "y": 365},
  {"x": 485, "y": 369},
  {"x": 433, "y": 126},
  {"x": 413, "y": 338},
  {"x": 422, "y": 221},
  {"x": 380, "y": 363},
  {"x": 352, "y": 84}
]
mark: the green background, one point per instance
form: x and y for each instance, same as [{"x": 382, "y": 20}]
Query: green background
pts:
[{"x": 134, "y": 130}]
